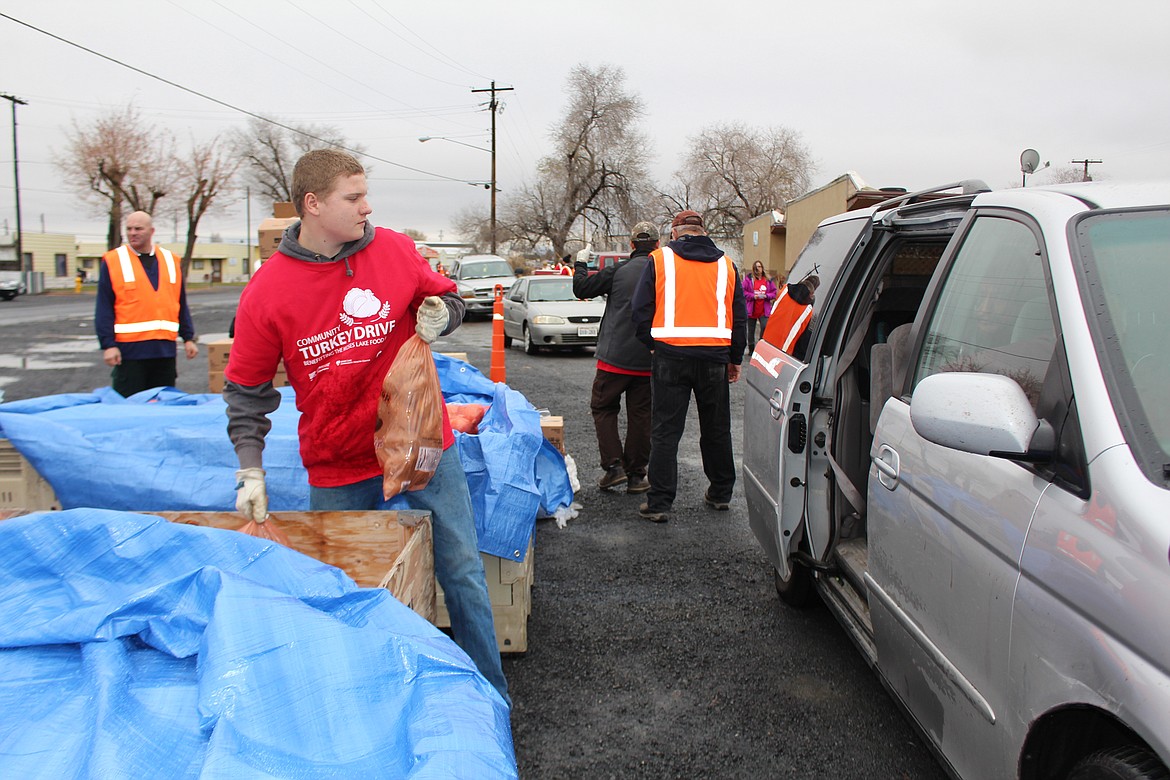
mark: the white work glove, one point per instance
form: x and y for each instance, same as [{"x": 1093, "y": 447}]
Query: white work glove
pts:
[
  {"x": 583, "y": 255},
  {"x": 431, "y": 318},
  {"x": 251, "y": 495}
]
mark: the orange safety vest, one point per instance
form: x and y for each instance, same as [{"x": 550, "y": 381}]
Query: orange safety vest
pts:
[
  {"x": 142, "y": 313},
  {"x": 788, "y": 322},
  {"x": 692, "y": 300}
]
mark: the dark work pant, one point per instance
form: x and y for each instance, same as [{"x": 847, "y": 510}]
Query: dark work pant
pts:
[
  {"x": 608, "y": 388},
  {"x": 134, "y": 376},
  {"x": 673, "y": 382},
  {"x": 752, "y": 337}
]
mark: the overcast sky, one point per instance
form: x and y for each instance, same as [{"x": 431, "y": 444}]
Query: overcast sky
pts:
[{"x": 904, "y": 93}]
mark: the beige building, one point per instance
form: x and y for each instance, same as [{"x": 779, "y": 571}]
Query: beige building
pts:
[
  {"x": 53, "y": 258},
  {"x": 209, "y": 262},
  {"x": 777, "y": 239},
  {"x": 764, "y": 238}
]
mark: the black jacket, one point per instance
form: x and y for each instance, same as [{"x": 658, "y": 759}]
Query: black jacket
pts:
[
  {"x": 701, "y": 249},
  {"x": 617, "y": 344}
]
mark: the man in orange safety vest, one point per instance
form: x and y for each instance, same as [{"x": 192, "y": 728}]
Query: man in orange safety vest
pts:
[
  {"x": 141, "y": 310},
  {"x": 689, "y": 308}
]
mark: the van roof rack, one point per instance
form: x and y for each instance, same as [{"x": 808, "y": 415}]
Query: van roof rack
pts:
[{"x": 966, "y": 187}]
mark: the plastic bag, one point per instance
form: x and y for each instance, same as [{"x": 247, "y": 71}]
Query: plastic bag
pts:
[
  {"x": 268, "y": 529},
  {"x": 408, "y": 438},
  {"x": 466, "y": 417}
]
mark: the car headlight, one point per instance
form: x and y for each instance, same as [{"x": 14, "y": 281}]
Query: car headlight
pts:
[{"x": 548, "y": 319}]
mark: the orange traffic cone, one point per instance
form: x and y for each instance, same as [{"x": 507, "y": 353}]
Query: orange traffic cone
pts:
[{"x": 498, "y": 371}]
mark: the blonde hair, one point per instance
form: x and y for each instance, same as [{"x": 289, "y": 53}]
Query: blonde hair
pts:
[{"x": 318, "y": 171}]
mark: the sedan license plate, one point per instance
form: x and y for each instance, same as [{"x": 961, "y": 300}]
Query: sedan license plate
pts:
[{"x": 587, "y": 330}]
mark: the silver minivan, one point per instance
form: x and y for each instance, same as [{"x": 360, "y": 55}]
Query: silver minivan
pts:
[{"x": 971, "y": 468}]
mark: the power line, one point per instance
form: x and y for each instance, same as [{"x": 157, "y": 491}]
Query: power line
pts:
[
  {"x": 438, "y": 55},
  {"x": 225, "y": 104},
  {"x": 378, "y": 54}
]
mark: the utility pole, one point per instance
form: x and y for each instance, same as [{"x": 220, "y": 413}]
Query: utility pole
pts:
[
  {"x": 1086, "y": 162},
  {"x": 26, "y": 268},
  {"x": 492, "y": 106},
  {"x": 248, "y": 231}
]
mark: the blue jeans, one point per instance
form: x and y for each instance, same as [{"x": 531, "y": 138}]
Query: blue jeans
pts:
[{"x": 458, "y": 567}]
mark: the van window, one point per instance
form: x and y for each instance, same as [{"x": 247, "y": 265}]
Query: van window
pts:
[
  {"x": 993, "y": 313},
  {"x": 1125, "y": 260},
  {"x": 826, "y": 252}
]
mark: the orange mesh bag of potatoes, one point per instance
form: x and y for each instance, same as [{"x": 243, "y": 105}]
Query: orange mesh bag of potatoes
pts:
[
  {"x": 265, "y": 529},
  {"x": 408, "y": 438}
]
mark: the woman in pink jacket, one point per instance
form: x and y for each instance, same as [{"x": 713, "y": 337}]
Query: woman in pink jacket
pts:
[{"x": 759, "y": 293}]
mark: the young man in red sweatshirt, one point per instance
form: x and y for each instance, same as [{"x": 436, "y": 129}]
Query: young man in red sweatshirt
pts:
[{"x": 335, "y": 303}]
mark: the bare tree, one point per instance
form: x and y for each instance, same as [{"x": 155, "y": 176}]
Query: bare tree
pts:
[
  {"x": 205, "y": 176},
  {"x": 733, "y": 173},
  {"x": 118, "y": 161},
  {"x": 595, "y": 171},
  {"x": 269, "y": 151}
]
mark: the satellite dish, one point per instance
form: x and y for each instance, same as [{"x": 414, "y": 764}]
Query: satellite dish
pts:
[{"x": 1029, "y": 159}]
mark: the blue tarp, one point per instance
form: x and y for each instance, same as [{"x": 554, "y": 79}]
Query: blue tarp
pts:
[
  {"x": 163, "y": 449},
  {"x": 133, "y": 647}
]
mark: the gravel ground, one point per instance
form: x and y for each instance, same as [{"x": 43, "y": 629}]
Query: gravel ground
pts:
[{"x": 654, "y": 651}]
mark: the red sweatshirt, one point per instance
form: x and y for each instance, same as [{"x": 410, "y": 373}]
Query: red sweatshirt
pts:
[{"x": 337, "y": 336}]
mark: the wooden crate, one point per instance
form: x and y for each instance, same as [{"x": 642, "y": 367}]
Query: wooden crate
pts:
[
  {"x": 510, "y": 588},
  {"x": 378, "y": 549},
  {"x": 21, "y": 487}
]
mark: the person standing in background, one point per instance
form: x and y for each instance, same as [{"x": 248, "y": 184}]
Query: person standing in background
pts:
[
  {"x": 623, "y": 364},
  {"x": 758, "y": 292},
  {"x": 791, "y": 315},
  {"x": 689, "y": 309},
  {"x": 141, "y": 309}
]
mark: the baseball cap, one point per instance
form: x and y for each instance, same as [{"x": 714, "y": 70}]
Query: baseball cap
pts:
[
  {"x": 644, "y": 231},
  {"x": 687, "y": 217}
]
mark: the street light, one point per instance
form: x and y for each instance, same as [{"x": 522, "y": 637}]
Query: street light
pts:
[
  {"x": 425, "y": 138},
  {"x": 489, "y": 185}
]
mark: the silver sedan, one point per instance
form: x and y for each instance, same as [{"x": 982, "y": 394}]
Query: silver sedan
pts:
[{"x": 542, "y": 311}]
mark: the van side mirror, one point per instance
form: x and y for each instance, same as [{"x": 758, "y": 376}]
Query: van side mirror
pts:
[{"x": 984, "y": 414}]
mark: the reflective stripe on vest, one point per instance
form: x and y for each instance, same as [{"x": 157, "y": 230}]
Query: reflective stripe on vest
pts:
[
  {"x": 716, "y": 329},
  {"x": 153, "y": 315},
  {"x": 128, "y": 267}
]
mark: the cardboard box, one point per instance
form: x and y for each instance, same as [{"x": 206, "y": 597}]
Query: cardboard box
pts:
[
  {"x": 218, "y": 353},
  {"x": 377, "y": 549},
  {"x": 510, "y": 588},
  {"x": 269, "y": 233},
  {"x": 553, "y": 429},
  {"x": 284, "y": 209},
  {"x": 21, "y": 487}
]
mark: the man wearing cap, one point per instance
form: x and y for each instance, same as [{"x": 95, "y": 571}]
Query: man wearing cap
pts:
[
  {"x": 623, "y": 364},
  {"x": 689, "y": 309}
]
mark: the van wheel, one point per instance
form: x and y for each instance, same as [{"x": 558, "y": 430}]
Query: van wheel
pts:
[
  {"x": 1123, "y": 763},
  {"x": 797, "y": 589}
]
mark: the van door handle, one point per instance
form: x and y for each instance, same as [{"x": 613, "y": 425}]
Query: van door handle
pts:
[
  {"x": 888, "y": 463},
  {"x": 776, "y": 401}
]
